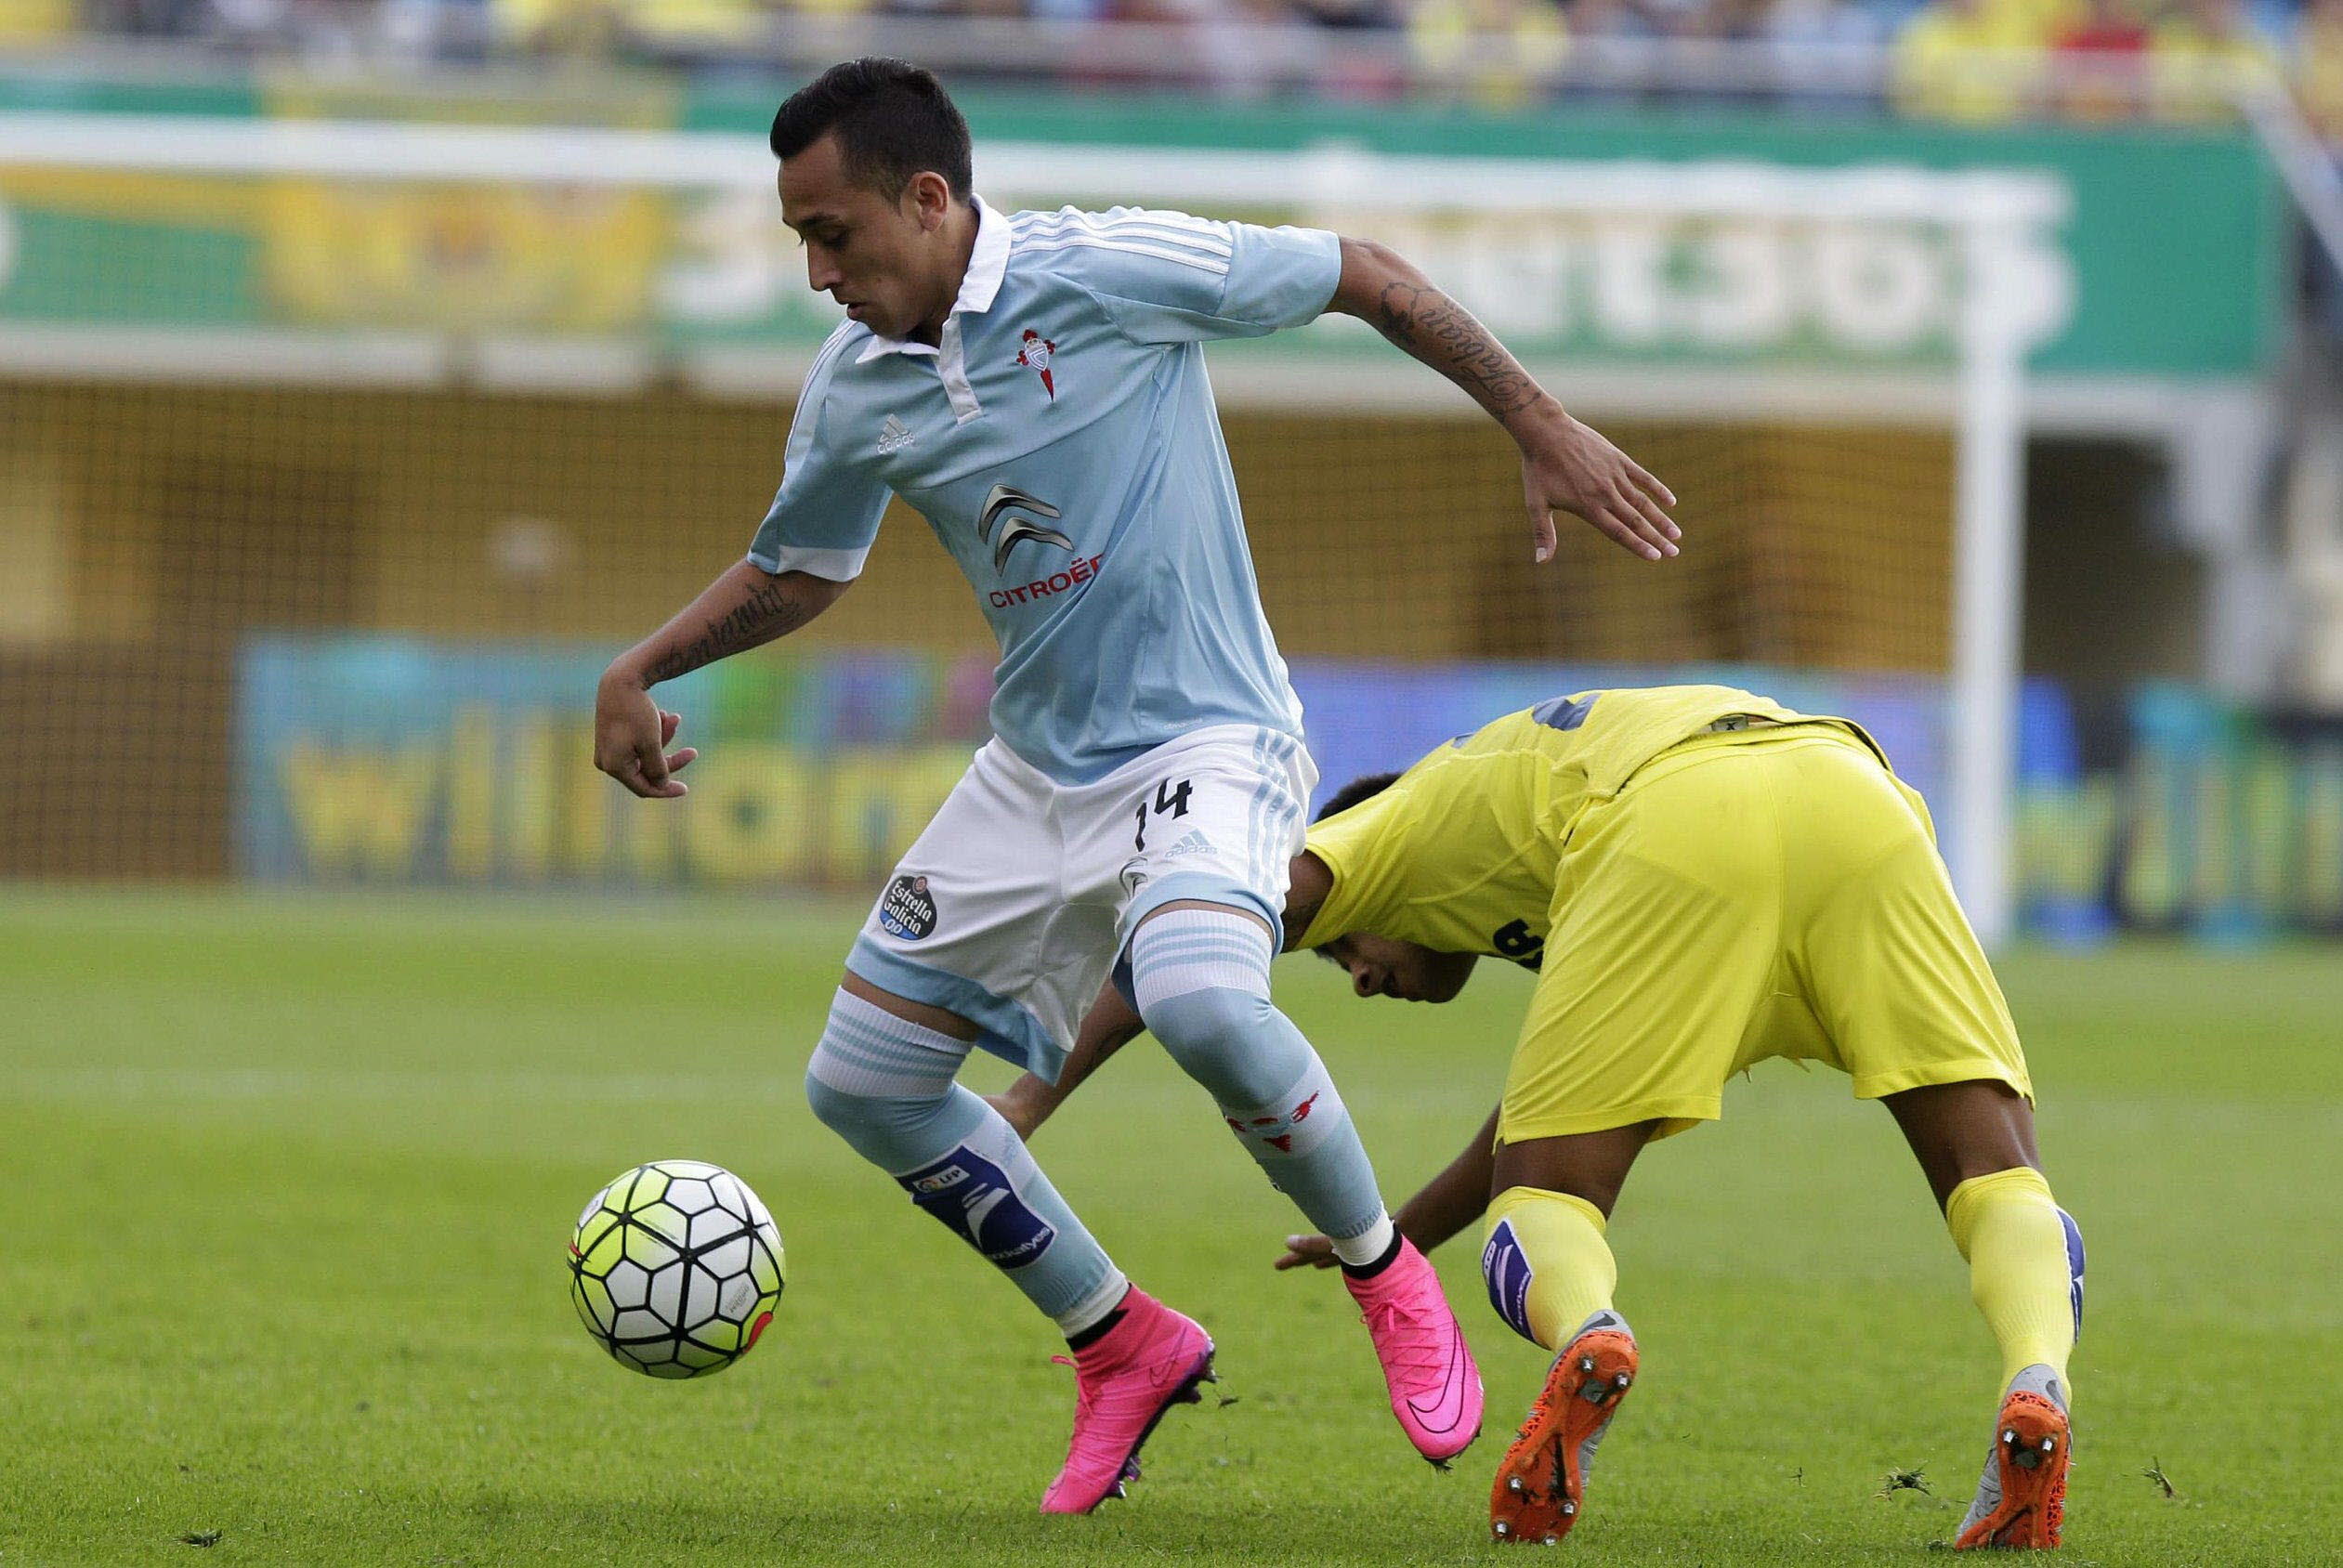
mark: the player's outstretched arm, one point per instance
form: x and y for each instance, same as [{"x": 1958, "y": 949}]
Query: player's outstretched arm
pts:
[
  {"x": 744, "y": 609},
  {"x": 1565, "y": 463},
  {"x": 1110, "y": 1024},
  {"x": 1448, "y": 1203}
]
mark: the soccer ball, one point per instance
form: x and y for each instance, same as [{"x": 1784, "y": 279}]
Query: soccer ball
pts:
[{"x": 676, "y": 1268}]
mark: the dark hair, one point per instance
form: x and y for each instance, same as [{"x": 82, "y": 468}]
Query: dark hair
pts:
[
  {"x": 1365, "y": 787},
  {"x": 894, "y": 121}
]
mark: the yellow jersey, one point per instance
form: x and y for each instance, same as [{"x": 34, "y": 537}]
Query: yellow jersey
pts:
[{"x": 1460, "y": 853}]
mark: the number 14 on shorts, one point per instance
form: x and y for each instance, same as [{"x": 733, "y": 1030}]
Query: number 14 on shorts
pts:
[{"x": 1171, "y": 800}]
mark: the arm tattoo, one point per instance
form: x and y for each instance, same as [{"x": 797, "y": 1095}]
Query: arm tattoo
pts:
[
  {"x": 1442, "y": 333},
  {"x": 768, "y": 612}
]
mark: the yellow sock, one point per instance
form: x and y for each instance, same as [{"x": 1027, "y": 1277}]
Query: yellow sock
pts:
[
  {"x": 1548, "y": 1267},
  {"x": 2020, "y": 1272}
]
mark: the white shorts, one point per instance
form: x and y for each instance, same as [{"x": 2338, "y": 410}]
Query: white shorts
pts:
[{"x": 1014, "y": 905}]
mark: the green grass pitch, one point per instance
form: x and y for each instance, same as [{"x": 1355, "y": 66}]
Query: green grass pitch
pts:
[{"x": 289, "y": 1182}]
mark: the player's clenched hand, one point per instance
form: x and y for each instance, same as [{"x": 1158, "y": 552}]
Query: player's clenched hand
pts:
[
  {"x": 1571, "y": 466},
  {"x": 631, "y": 737},
  {"x": 1307, "y": 1252}
]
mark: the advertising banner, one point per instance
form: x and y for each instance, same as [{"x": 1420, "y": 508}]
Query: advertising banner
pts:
[
  {"x": 384, "y": 759},
  {"x": 2165, "y": 809},
  {"x": 378, "y": 760},
  {"x": 671, "y": 267},
  {"x": 397, "y": 760}
]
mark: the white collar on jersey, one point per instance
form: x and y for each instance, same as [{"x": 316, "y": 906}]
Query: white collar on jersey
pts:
[{"x": 986, "y": 265}]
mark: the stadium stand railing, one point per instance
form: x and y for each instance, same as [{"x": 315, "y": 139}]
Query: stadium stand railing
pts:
[{"x": 1965, "y": 60}]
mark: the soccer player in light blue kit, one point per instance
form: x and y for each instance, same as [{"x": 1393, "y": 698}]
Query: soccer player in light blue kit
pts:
[{"x": 1033, "y": 386}]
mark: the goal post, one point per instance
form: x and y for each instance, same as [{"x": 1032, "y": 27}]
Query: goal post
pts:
[
  {"x": 1988, "y": 572},
  {"x": 1526, "y": 224}
]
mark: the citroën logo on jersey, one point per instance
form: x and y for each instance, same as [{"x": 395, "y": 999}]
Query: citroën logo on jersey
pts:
[{"x": 1006, "y": 499}]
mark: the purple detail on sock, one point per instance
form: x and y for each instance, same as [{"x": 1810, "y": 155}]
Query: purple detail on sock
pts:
[
  {"x": 1506, "y": 1269},
  {"x": 2073, "y": 1268}
]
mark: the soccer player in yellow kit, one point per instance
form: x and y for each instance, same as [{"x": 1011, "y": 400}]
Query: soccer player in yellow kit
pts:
[{"x": 1703, "y": 879}]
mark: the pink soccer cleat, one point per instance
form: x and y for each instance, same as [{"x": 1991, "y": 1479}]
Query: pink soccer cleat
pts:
[
  {"x": 1149, "y": 1362},
  {"x": 1436, "y": 1388}
]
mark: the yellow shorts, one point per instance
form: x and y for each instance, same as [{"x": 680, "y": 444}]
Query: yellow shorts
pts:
[{"x": 1766, "y": 893}]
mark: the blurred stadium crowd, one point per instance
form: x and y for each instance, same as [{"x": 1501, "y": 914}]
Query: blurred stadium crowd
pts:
[{"x": 1961, "y": 60}]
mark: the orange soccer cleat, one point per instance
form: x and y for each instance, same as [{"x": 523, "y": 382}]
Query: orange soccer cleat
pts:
[
  {"x": 1542, "y": 1480},
  {"x": 2022, "y": 1498}
]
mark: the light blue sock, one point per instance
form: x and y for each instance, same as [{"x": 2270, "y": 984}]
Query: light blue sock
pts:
[
  {"x": 885, "y": 1086},
  {"x": 1201, "y": 980}
]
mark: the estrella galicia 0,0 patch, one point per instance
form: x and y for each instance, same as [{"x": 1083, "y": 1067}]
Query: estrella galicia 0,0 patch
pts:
[{"x": 909, "y": 909}]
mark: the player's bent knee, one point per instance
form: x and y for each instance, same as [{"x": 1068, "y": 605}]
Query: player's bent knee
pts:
[
  {"x": 879, "y": 1125},
  {"x": 835, "y": 1108},
  {"x": 843, "y": 1113},
  {"x": 1224, "y": 1039},
  {"x": 882, "y": 1082},
  {"x": 867, "y": 1124},
  {"x": 1207, "y": 1019}
]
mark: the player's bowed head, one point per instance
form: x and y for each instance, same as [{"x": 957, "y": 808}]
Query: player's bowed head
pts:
[
  {"x": 1378, "y": 966},
  {"x": 875, "y": 181},
  {"x": 1404, "y": 971}
]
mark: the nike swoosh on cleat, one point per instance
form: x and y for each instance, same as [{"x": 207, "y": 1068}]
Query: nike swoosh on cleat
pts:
[{"x": 1450, "y": 1403}]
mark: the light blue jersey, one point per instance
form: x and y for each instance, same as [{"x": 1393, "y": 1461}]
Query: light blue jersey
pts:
[{"x": 1063, "y": 443}]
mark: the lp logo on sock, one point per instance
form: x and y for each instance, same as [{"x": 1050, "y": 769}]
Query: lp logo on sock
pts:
[{"x": 973, "y": 1196}]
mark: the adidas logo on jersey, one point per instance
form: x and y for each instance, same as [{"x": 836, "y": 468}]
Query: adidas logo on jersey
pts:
[
  {"x": 894, "y": 436},
  {"x": 1195, "y": 843}
]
